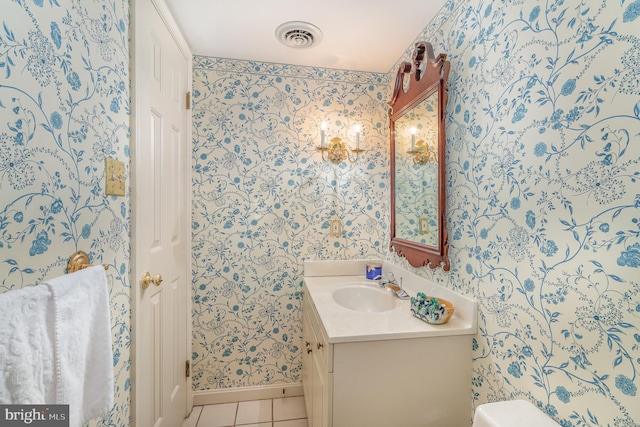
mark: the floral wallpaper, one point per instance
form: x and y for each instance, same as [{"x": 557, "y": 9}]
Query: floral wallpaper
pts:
[
  {"x": 64, "y": 107},
  {"x": 263, "y": 200},
  {"x": 543, "y": 201}
]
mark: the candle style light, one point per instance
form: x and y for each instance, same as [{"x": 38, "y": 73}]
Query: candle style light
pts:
[
  {"x": 336, "y": 150},
  {"x": 413, "y": 131},
  {"x": 323, "y": 127}
]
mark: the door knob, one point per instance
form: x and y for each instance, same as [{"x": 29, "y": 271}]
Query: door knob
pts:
[{"x": 148, "y": 280}]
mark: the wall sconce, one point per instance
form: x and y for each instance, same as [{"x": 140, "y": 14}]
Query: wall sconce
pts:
[
  {"x": 337, "y": 150},
  {"x": 421, "y": 152}
]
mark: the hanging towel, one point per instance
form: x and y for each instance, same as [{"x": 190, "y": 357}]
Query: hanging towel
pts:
[
  {"x": 26, "y": 347},
  {"x": 82, "y": 347}
]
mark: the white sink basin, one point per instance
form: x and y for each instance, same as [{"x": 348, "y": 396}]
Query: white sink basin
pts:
[{"x": 365, "y": 298}]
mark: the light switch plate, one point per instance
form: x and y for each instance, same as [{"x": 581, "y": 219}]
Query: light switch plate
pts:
[
  {"x": 114, "y": 177},
  {"x": 335, "y": 228},
  {"x": 423, "y": 225}
]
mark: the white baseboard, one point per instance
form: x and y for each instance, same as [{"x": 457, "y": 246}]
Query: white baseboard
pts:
[{"x": 241, "y": 394}]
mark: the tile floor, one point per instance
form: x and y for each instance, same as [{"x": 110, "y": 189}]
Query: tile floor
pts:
[{"x": 284, "y": 412}]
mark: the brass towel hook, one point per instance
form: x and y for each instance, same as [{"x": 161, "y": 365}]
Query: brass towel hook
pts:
[{"x": 80, "y": 260}]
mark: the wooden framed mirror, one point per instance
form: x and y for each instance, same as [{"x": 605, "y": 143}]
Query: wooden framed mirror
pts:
[{"x": 417, "y": 130}]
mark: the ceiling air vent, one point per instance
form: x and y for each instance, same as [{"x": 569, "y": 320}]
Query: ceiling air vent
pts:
[{"x": 298, "y": 34}]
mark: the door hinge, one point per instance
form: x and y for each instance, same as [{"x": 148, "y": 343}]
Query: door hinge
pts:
[
  {"x": 187, "y": 369},
  {"x": 188, "y": 101}
]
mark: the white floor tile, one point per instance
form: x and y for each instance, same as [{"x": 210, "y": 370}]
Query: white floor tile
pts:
[
  {"x": 289, "y": 408},
  {"x": 291, "y": 423},
  {"x": 192, "y": 420},
  {"x": 254, "y": 411},
  {"x": 256, "y": 425},
  {"x": 222, "y": 415}
]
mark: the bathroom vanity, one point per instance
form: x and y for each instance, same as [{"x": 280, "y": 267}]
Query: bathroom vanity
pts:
[{"x": 367, "y": 361}]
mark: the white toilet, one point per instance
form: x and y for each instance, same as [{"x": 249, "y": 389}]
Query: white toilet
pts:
[{"x": 511, "y": 413}]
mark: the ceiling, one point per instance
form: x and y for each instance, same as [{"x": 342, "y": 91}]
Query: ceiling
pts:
[{"x": 357, "y": 35}]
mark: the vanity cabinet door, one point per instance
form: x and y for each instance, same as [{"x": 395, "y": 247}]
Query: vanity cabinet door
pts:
[
  {"x": 316, "y": 378},
  {"x": 307, "y": 361},
  {"x": 320, "y": 394}
]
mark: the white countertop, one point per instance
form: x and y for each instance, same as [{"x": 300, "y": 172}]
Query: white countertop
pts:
[{"x": 345, "y": 325}]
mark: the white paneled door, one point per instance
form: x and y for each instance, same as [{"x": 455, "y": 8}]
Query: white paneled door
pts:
[{"x": 161, "y": 214}]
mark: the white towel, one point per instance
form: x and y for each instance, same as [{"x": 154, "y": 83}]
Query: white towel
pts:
[
  {"x": 84, "y": 357},
  {"x": 26, "y": 347}
]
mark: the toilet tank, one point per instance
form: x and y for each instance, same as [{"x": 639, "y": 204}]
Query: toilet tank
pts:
[{"x": 511, "y": 413}]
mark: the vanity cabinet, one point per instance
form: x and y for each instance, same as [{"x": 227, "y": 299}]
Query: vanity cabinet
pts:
[{"x": 408, "y": 382}]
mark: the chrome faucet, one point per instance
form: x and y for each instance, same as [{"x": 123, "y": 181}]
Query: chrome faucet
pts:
[
  {"x": 389, "y": 280},
  {"x": 391, "y": 284}
]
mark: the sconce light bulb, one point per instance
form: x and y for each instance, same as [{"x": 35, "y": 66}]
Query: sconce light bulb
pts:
[
  {"x": 357, "y": 128},
  {"x": 413, "y": 131},
  {"x": 323, "y": 127}
]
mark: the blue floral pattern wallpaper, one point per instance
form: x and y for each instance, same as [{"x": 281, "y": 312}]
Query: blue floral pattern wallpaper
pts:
[
  {"x": 543, "y": 158},
  {"x": 64, "y": 107},
  {"x": 543, "y": 203},
  {"x": 263, "y": 200}
]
